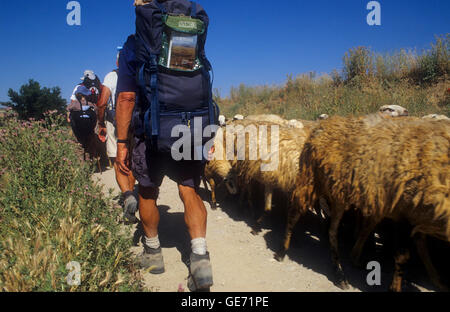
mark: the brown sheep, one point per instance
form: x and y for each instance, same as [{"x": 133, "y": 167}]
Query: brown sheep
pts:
[
  {"x": 293, "y": 123},
  {"x": 282, "y": 176},
  {"x": 218, "y": 168},
  {"x": 268, "y": 118},
  {"x": 359, "y": 163}
]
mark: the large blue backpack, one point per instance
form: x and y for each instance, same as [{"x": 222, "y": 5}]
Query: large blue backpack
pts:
[{"x": 173, "y": 72}]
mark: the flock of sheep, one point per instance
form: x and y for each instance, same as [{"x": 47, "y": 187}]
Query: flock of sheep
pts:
[{"x": 381, "y": 166}]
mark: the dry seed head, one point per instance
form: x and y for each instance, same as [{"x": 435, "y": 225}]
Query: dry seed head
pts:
[
  {"x": 106, "y": 280},
  {"x": 120, "y": 279}
]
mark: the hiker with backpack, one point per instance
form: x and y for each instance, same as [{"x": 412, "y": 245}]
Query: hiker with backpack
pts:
[
  {"x": 84, "y": 124},
  {"x": 88, "y": 80},
  {"x": 82, "y": 116},
  {"x": 164, "y": 81},
  {"x": 106, "y": 115}
]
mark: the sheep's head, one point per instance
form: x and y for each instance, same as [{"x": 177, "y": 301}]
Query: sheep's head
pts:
[
  {"x": 222, "y": 120},
  {"x": 394, "y": 111},
  {"x": 436, "y": 117},
  {"x": 295, "y": 124},
  {"x": 231, "y": 183}
]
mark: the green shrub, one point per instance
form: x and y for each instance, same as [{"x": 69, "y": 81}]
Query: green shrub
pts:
[
  {"x": 358, "y": 64},
  {"x": 51, "y": 213},
  {"x": 434, "y": 64}
]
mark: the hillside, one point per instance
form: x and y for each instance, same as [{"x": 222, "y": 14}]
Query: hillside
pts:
[{"x": 368, "y": 80}]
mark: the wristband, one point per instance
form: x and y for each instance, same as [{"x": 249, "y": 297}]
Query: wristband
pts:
[{"x": 122, "y": 141}]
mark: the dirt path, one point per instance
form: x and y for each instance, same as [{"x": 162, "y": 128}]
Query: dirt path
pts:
[{"x": 243, "y": 262}]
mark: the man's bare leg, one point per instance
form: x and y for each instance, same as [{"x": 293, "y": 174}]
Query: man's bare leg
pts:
[
  {"x": 151, "y": 258},
  {"x": 195, "y": 216},
  {"x": 148, "y": 210}
]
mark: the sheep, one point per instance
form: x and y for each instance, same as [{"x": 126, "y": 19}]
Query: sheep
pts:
[
  {"x": 394, "y": 111},
  {"x": 358, "y": 163},
  {"x": 268, "y": 118},
  {"x": 222, "y": 120},
  {"x": 294, "y": 123},
  {"x": 238, "y": 117},
  {"x": 436, "y": 117},
  {"x": 218, "y": 169},
  {"x": 323, "y": 117},
  {"x": 286, "y": 151}
]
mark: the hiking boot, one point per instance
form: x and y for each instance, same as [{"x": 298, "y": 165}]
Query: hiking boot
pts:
[
  {"x": 130, "y": 206},
  {"x": 200, "y": 278},
  {"x": 151, "y": 260}
]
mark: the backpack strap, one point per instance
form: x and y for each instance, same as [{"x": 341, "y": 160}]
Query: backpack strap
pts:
[
  {"x": 160, "y": 6},
  {"x": 209, "y": 99},
  {"x": 154, "y": 97},
  {"x": 193, "y": 9},
  {"x": 81, "y": 105},
  {"x": 148, "y": 83}
]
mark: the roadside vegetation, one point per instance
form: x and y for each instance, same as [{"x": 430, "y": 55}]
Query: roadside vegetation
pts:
[
  {"x": 368, "y": 80},
  {"x": 51, "y": 213}
]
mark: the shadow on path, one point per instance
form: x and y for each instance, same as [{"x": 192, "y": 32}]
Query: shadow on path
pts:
[
  {"x": 310, "y": 248},
  {"x": 172, "y": 232}
]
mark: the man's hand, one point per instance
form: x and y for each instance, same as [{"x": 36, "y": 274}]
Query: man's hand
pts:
[
  {"x": 122, "y": 159},
  {"x": 101, "y": 108},
  {"x": 102, "y": 133}
]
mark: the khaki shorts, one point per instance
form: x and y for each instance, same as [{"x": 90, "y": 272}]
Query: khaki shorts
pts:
[
  {"x": 111, "y": 140},
  {"x": 149, "y": 171}
]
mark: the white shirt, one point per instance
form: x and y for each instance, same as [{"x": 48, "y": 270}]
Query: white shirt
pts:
[
  {"x": 73, "y": 97},
  {"x": 111, "y": 82}
]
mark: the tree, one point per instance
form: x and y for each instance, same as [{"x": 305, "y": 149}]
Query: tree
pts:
[{"x": 32, "y": 101}]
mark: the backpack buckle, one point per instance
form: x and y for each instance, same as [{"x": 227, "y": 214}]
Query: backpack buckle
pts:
[{"x": 153, "y": 64}]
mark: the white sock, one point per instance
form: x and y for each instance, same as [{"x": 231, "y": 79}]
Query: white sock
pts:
[
  {"x": 198, "y": 246},
  {"x": 153, "y": 242}
]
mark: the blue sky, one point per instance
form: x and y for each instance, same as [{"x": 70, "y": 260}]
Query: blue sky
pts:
[{"x": 255, "y": 42}]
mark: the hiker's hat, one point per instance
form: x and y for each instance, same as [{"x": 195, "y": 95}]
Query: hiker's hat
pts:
[{"x": 88, "y": 74}]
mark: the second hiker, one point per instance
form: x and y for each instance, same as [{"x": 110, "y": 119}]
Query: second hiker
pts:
[{"x": 106, "y": 115}]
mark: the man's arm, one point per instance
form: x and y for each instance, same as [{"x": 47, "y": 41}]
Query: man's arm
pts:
[
  {"x": 101, "y": 105},
  {"x": 124, "y": 113},
  {"x": 101, "y": 108},
  {"x": 73, "y": 104}
]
